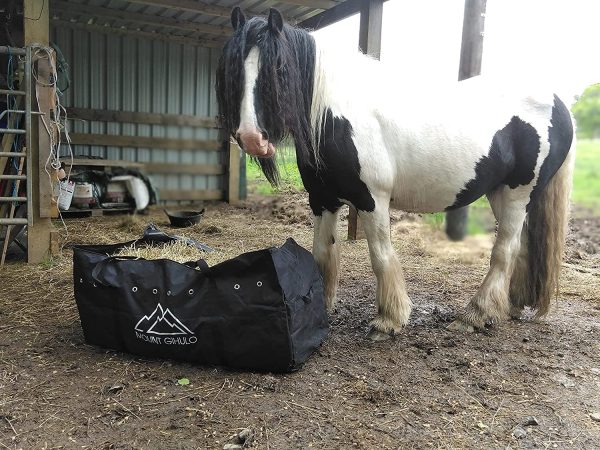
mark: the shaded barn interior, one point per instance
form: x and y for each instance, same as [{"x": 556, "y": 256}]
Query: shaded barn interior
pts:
[{"x": 136, "y": 80}]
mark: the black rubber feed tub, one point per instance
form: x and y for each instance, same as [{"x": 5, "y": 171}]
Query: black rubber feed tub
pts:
[{"x": 184, "y": 218}]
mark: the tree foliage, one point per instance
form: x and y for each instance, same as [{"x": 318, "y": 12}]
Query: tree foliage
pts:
[{"x": 587, "y": 112}]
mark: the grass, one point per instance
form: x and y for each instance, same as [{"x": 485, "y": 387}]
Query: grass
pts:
[
  {"x": 586, "y": 185},
  {"x": 481, "y": 219},
  {"x": 586, "y": 181},
  {"x": 288, "y": 171}
]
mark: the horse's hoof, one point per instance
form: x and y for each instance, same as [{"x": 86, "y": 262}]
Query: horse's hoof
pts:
[
  {"x": 330, "y": 303},
  {"x": 516, "y": 313},
  {"x": 459, "y": 325},
  {"x": 377, "y": 336}
]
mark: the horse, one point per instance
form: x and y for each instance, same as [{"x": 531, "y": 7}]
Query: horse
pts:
[{"x": 364, "y": 141}]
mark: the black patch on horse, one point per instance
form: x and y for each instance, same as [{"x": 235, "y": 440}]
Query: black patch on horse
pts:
[
  {"x": 511, "y": 161},
  {"x": 560, "y": 136},
  {"x": 338, "y": 176}
]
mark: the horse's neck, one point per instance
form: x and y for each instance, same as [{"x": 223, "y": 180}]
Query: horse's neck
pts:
[
  {"x": 343, "y": 82},
  {"x": 343, "y": 73}
]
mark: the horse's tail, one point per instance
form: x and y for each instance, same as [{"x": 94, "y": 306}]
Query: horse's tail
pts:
[{"x": 545, "y": 234}]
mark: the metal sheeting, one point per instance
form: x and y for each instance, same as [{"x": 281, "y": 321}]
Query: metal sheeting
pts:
[{"x": 134, "y": 74}]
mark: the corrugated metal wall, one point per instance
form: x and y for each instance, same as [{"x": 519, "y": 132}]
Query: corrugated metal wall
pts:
[{"x": 133, "y": 74}]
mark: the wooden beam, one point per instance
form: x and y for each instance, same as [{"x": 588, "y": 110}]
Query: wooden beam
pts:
[
  {"x": 107, "y": 115},
  {"x": 93, "y": 162},
  {"x": 233, "y": 173},
  {"x": 330, "y": 16},
  {"x": 189, "y": 6},
  {"x": 37, "y": 30},
  {"x": 371, "y": 19},
  {"x": 224, "y": 11},
  {"x": 139, "y": 18},
  {"x": 111, "y": 140},
  {"x": 471, "y": 49},
  {"x": 315, "y": 4},
  {"x": 369, "y": 42},
  {"x": 190, "y": 194},
  {"x": 185, "y": 169},
  {"x": 471, "y": 52},
  {"x": 141, "y": 34}
]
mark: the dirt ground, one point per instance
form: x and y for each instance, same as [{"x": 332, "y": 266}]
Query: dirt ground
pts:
[{"x": 518, "y": 385}]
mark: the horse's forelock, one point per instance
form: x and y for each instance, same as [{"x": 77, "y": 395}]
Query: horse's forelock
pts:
[{"x": 284, "y": 84}]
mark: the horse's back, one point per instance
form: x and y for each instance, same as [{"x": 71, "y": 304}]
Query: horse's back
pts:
[{"x": 456, "y": 145}]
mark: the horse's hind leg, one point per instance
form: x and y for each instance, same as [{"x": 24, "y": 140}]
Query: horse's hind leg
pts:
[
  {"x": 326, "y": 253},
  {"x": 393, "y": 304},
  {"x": 491, "y": 302},
  {"x": 519, "y": 281}
]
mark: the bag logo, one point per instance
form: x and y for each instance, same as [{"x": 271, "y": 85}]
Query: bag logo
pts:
[{"x": 163, "y": 327}]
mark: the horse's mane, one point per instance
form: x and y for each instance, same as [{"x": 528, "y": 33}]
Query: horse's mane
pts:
[{"x": 284, "y": 86}]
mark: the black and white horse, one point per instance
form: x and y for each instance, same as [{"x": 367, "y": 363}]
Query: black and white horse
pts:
[{"x": 363, "y": 140}]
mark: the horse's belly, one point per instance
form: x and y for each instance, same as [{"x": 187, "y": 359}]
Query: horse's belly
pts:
[
  {"x": 430, "y": 175},
  {"x": 417, "y": 201},
  {"x": 425, "y": 197}
]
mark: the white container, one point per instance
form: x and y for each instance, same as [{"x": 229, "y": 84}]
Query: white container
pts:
[{"x": 63, "y": 190}]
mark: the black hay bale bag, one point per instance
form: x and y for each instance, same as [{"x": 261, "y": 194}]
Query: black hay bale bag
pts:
[{"x": 263, "y": 310}]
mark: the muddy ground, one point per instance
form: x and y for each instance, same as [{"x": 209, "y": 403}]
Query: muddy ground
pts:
[{"x": 519, "y": 385}]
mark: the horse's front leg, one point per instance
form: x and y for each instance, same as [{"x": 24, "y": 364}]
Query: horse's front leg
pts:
[
  {"x": 393, "y": 303},
  {"x": 326, "y": 253}
]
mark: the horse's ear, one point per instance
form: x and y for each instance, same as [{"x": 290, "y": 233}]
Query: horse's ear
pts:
[
  {"x": 237, "y": 18},
  {"x": 275, "y": 21}
]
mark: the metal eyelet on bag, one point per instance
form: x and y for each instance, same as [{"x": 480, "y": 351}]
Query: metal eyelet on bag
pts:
[
  {"x": 191, "y": 292},
  {"x": 134, "y": 289},
  {"x": 236, "y": 286},
  {"x": 259, "y": 283},
  {"x": 81, "y": 280},
  {"x": 155, "y": 291},
  {"x": 168, "y": 293},
  {"x": 94, "y": 284}
]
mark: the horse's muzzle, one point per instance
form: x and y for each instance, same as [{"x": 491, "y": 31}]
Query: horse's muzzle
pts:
[{"x": 254, "y": 143}]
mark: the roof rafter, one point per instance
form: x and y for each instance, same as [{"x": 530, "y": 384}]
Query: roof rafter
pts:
[
  {"x": 333, "y": 15},
  {"x": 223, "y": 11},
  {"x": 189, "y": 6},
  {"x": 139, "y": 18},
  {"x": 144, "y": 34},
  {"x": 316, "y": 4}
]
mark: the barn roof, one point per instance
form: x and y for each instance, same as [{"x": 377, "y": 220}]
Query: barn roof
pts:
[{"x": 204, "y": 23}]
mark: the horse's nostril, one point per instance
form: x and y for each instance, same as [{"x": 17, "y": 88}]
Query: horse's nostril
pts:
[{"x": 265, "y": 135}]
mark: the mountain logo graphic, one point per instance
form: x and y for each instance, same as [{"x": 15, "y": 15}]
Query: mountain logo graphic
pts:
[{"x": 162, "y": 322}]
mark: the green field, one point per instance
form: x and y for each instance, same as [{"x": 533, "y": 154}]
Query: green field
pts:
[
  {"x": 586, "y": 184},
  {"x": 586, "y": 181},
  {"x": 288, "y": 171}
]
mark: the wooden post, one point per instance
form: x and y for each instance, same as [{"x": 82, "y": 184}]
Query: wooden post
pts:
[
  {"x": 37, "y": 31},
  {"x": 233, "y": 173},
  {"x": 369, "y": 42},
  {"x": 471, "y": 52},
  {"x": 471, "y": 49},
  {"x": 369, "y": 34}
]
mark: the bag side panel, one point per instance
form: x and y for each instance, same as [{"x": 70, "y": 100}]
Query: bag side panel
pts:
[
  {"x": 96, "y": 305},
  {"x": 302, "y": 284}
]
